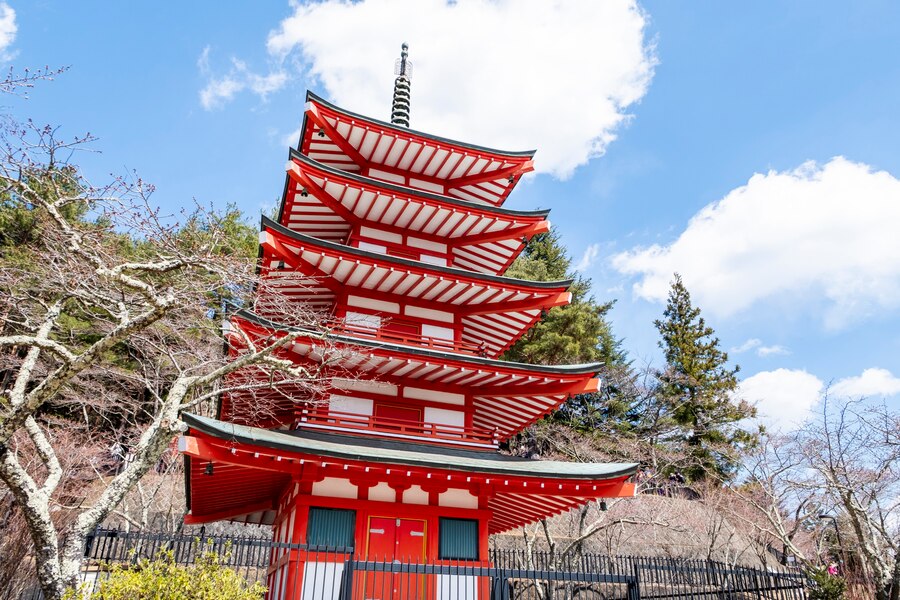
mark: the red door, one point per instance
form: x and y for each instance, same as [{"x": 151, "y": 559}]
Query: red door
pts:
[
  {"x": 393, "y": 542},
  {"x": 391, "y": 416}
]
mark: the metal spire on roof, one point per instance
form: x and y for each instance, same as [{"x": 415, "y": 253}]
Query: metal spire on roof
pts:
[{"x": 403, "y": 71}]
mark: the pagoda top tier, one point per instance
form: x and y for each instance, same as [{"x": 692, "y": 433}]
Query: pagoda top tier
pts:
[{"x": 348, "y": 141}]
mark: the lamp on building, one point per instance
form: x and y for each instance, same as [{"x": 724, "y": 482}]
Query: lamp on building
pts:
[{"x": 209, "y": 468}]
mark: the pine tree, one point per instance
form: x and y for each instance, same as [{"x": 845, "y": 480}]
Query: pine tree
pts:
[
  {"x": 696, "y": 389},
  {"x": 576, "y": 333}
]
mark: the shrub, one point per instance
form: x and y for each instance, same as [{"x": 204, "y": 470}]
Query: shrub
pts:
[
  {"x": 826, "y": 586},
  {"x": 161, "y": 579}
]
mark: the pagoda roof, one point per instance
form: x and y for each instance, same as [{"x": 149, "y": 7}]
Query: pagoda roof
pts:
[
  {"x": 507, "y": 396},
  {"x": 493, "y": 309},
  {"x": 353, "y": 142},
  {"x": 329, "y": 204},
  {"x": 519, "y": 490}
]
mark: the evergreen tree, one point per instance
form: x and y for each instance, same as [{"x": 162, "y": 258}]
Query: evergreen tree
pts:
[
  {"x": 576, "y": 333},
  {"x": 696, "y": 389}
]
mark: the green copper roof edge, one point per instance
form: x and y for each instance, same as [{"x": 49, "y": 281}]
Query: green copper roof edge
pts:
[{"x": 290, "y": 443}]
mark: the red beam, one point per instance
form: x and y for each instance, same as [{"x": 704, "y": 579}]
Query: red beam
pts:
[
  {"x": 502, "y": 173},
  {"x": 534, "y": 303}
]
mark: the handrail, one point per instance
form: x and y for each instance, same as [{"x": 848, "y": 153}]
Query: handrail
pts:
[
  {"x": 415, "y": 340},
  {"x": 387, "y": 427}
]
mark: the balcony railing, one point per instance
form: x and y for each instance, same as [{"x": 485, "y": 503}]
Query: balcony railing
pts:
[
  {"x": 453, "y": 435},
  {"x": 408, "y": 339}
]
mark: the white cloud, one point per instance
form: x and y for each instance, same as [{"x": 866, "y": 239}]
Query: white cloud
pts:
[
  {"x": 513, "y": 74},
  {"x": 588, "y": 258},
  {"x": 775, "y": 350},
  {"x": 761, "y": 350},
  {"x": 218, "y": 91},
  {"x": 221, "y": 90},
  {"x": 783, "y": 397},
  {"x": 8, "y": 29},
  {"x": 871, "y": 383},
  {"x": 821, "y": 235},
  {"x": 748, "y": 345},
  {"x": 203, "y": 61}
]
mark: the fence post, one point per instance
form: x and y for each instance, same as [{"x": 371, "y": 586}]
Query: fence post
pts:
[
  {"x": 634, "y": 587},
  {"x": 500, "y": 586},
  {"x": 347, "y": 581}
]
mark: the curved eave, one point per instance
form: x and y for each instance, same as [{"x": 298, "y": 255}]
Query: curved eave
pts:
[
  {"x": 414, "y": 265},
  {"x": 422, "y": 456},
  {"x": 426, "y": 196},
  {"x": 525, "y": 154},
  {"x": 589, "y": 369}
]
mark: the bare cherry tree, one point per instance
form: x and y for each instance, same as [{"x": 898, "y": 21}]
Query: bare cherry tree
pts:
[
  {"x": 111, "y": 325},
  {"x": 845, "y": 463}
]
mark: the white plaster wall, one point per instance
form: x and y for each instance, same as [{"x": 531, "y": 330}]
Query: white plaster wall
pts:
[
  {"x": 429, "y": 313},
  {"x": 376, "y": 387},
  {"x": 378, "y": 234},
  {"x": 458, "y": 499},
  {"x": 372, "y": 247},
  {"x": 379, "y": 305},
  {"x": 378, "y": 174},
  {"x": 415, "y": 495},
  {"x": 357, "y": 319},
  {"x": 334, "y": 487},
  {"x": 457, "y": 587},
  {"x": 426, "y": 185},
  {"x": 321, "y": 580},
  {"x": 382, "y": 493},
  {"x": 433, "y": 260},
  {"x": 347, "y": 404},
  {"x": 434, "y": 396},
  {"x": 442, "y": 416},
  {"x": 441, "y": 333}
]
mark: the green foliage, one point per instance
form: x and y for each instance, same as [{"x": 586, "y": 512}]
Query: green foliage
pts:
[
  {"x": 696, "y": 389},
  {"x": 161, "y": 579},
  {"x": 31, "y": 255},
  {"x": 577, "y": 333},
  {"x": 231, "y": 235},
  {"x": 826, "y": 586}
]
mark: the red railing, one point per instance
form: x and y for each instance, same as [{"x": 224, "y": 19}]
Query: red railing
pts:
[
  {"x": 427, "y": 341},
  {"x": 322, "y": 418}
]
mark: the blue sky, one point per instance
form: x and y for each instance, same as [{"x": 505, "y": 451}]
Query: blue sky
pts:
[{"x": 671, "y": 136}]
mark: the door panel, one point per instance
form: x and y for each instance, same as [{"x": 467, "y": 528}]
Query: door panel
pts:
[
  {"x": 382, "y": 538},
  {"x": 410, "y": 544},
  {"x": 397, "y": 541}
]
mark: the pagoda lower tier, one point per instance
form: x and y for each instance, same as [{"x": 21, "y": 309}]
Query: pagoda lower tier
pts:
[
  {"x": 506, "y": 491},
  {"x": 430, "y": 395}
]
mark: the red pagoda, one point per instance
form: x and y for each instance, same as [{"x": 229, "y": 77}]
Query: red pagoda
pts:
[{"x": 400, "y": 236}]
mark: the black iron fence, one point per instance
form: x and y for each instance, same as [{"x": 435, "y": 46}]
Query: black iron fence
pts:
[{"x": 303, "y": 572}]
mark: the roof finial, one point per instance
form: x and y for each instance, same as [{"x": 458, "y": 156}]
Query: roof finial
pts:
[{"x": 403, "y": 71}]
